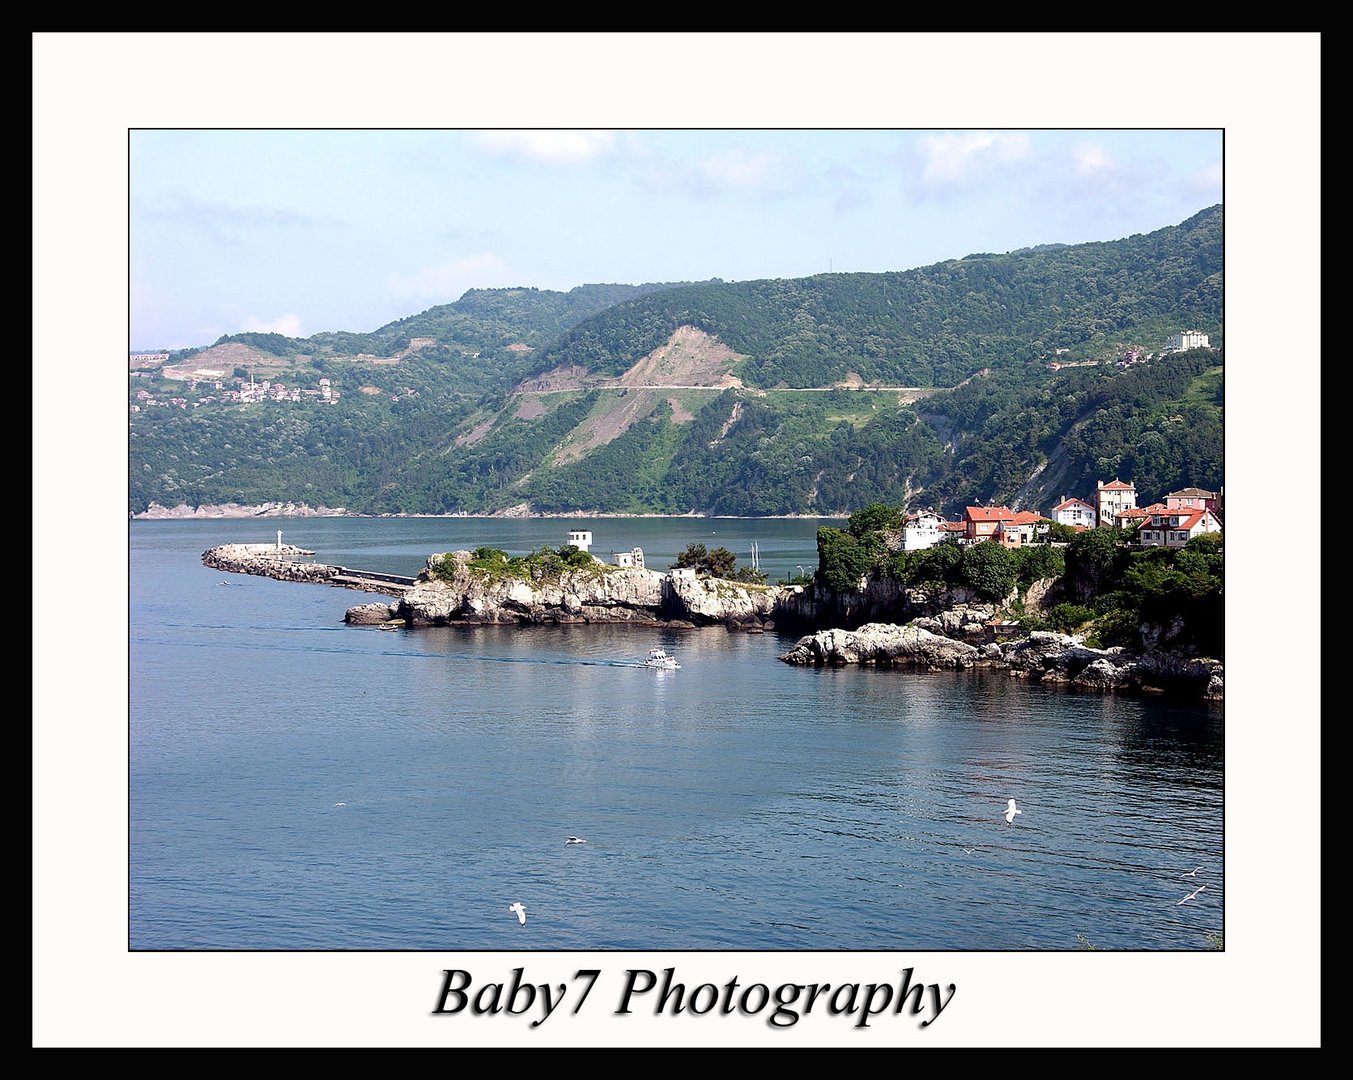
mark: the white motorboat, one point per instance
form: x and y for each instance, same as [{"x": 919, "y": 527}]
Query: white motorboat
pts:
[{"x": 658, "y": 658}]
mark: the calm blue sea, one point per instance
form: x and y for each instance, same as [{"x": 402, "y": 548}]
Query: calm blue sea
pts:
[{"x": 299, "y": 784}]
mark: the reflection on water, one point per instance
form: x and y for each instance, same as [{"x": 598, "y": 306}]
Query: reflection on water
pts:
[{"x": 738, "y": 803}]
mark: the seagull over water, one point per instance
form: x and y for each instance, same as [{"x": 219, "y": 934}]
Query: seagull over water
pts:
[
  {"x": 1192, "y": 895},
  {"x": 521, "y": 912},
  {"x": 575, "y": 840},
  {"x": 1010, "y": 811},
  {"x": 1192, "y": 873}
]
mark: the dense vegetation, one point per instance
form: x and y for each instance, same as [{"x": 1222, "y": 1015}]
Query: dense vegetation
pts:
[
  {"x": 936, "y": 325},
  {"x": 439, "y": 432},
  {"x": 546, "y": 564},
  {"x": 1113, "y": 592},
  {"x": 868, "y": 547}
]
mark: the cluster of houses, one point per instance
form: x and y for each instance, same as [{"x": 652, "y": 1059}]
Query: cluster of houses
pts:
[
  {"x": 1134, "y": 354},
  {"x": 246, "y": 394},
  {"x": 270, "y": 391},
  {"x": 1183, "y": 515}
]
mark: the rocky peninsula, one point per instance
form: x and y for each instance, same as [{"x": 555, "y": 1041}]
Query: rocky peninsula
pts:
[
  {"x": 944, "y": 628},
  {"x": 452, "y": 589}
]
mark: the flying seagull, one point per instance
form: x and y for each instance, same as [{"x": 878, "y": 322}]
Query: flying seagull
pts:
[
  {"x": 340, "y": 804},
  {"x": 521, "y": 912},
  {"x": 1010, "y": 811},
  {"x": 969, "y": 850},
  {"x": 575, "y": 840},
  {"x": 1192, "y": 873},
  {"x": 1192, "y": 895}
]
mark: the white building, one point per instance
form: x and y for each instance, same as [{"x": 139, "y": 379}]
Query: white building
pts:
[
  {"x": 1186, "y": 339},
  {"x": 1074, "y": 512},
  {"x": 1175, "y": 528},
  {"x": 634, "y": 557},
  {"x": 921, "y": 530},
  {"x": 580, "y": 538},
  {"x": 1113, "y": 498},
  {"x": 682, "y": 573}
]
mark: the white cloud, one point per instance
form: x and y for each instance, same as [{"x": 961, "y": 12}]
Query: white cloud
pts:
[
  {"x": 1207, "y": 180},
  {"x": 447, "y": 282},
  {"x": 953, "y": 159},
  {"x": 550, "y": 147},
  {"x": 288, "y": 324},
  {"x": 1091, "y": 158},
  {"x": 738, "y": 169}
]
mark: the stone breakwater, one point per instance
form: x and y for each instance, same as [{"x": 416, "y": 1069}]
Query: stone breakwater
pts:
[
  {"x": 285, "y": 564},
  {"x": 1042, "y": 657},
  {"x": 451, "y": 591}
]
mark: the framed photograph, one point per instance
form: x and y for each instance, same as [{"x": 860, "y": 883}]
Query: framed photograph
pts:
[{"x": 590, "y": 571}]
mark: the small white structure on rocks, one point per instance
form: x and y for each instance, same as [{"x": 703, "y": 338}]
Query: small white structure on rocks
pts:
[
  {"x": 580, "y": 538},
  {"x": 634, "y": 557},
  {"x": 683, "y": 573}
]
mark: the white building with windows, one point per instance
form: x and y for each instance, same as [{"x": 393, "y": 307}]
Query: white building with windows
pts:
[
  {"x": 1175, "y": 528},
  {"x": 634, "y": 557},
  {"x": 1074, "y": 512},
  {"x": 580, "y": 538},
  {"x": 922, "y": 530},
  {"x": 1186, "y": 339},
  {"x": 1113, "y": 498}
]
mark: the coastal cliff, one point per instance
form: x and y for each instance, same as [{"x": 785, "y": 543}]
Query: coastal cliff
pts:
[{"x": 1042, "y": 657}]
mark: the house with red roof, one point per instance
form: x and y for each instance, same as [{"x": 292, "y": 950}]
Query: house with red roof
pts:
[
  {"x": 1112, "y": 498},
  {"x": 1074, "y": 512},
  {"x": 1192, "y": 498},
  {"x": 983, "y": 522},
  {"x": 1175, "y": 528},
  {"x": 1131, "y": 519},
  {"x": 1020, "y": 530}
]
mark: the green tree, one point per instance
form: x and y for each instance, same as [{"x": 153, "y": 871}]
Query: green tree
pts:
[
  {"x": 988, "y": 569},
  {"x": 717, "y": 563},
  {"x": 842, "y": 561},
  {"x": 1092, "y": 561},
  {"x": 874, "y": 518}
]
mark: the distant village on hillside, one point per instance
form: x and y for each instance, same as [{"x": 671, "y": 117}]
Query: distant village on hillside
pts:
[{"x": 1184, "y": 514}]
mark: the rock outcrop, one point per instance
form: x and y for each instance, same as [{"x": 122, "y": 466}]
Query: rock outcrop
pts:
[
  {"x": 1042, "y": 657},
  {"x": 883, "y": 644},
  {"x": 371, "y": 614},
  {"x": 450, "y": 590}
]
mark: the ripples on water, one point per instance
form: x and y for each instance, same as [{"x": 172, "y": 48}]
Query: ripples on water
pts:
[{"x": 738, "y": 803}]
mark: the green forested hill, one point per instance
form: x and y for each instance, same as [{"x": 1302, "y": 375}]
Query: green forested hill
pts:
[
  {"x": 433, "y": 425},
  {"x": 936, "y": 325}
]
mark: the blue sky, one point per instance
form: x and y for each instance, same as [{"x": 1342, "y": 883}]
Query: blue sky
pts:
[{"x": 300, "y": 231}]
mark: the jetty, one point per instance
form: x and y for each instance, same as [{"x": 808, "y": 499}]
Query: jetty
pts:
[{"x": 286, "y": 562}]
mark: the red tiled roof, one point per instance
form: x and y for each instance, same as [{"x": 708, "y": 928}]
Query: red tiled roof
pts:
[
  {"x": 988, "y": 513},
  {"x": 1192, "y": 493},
  {"x": 1072, "y": 502},
  {"x": 1025, "y": 517},
  {"x": 952, "y": 526},
  {"x": 1117, "y": 485},
  {"x": 1194, "y": 518},
  {"x": 1140, "y": 511}
]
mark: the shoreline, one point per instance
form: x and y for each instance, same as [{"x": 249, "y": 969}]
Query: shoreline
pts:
[{"x": 244, "y": 513}]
